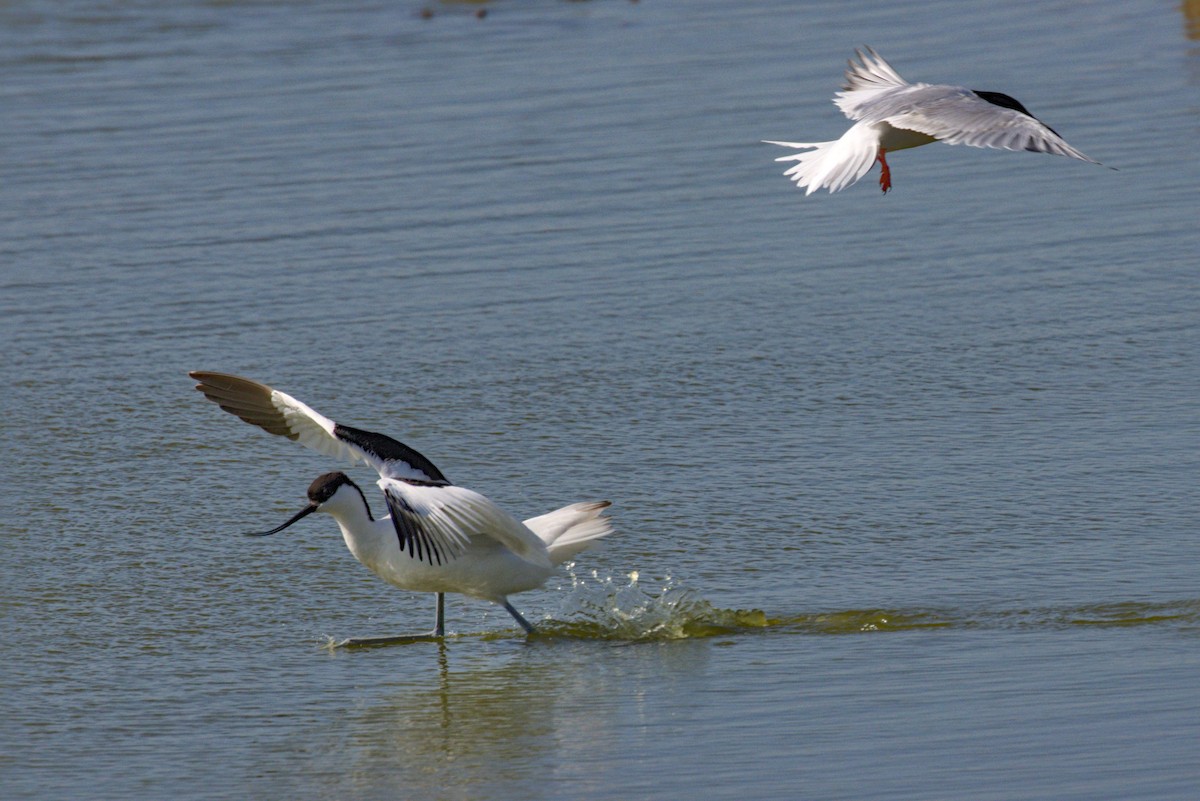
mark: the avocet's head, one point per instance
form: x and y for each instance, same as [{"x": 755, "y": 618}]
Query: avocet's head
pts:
[{"x": 325, "y": 493}]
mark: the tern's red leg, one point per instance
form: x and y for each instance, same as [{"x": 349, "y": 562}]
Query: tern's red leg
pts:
[{"x": 885, "y": 174}]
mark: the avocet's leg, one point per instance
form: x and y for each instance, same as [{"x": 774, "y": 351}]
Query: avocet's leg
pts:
[
  {"x": 517, "y": 617},
  {"x": 438, "y": 633},
  {"x": 885, "y": 174}
]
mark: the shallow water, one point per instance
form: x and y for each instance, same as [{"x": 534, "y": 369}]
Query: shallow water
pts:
[{"x": 904, "y": 485}]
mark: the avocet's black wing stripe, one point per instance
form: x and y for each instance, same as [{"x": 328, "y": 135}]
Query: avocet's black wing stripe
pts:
[
  {"x": 420, "y": 528},
  {"x": 391, "y": 454},
  {"x": 408, "y": 527},
  {"x": 451, "y": 517}
]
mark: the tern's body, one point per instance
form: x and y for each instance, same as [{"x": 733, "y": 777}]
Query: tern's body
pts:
[
  {"x": 891, "y": 114},
  {"x": 437, "y": 537}
]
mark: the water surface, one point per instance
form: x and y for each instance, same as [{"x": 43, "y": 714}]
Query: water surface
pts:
[{"x": 904, "y": 485}]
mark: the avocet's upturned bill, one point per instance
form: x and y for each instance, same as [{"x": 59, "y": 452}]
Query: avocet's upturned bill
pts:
[
  {"x": 891, "y": 114},
  {"x": 437, "y": 537}
]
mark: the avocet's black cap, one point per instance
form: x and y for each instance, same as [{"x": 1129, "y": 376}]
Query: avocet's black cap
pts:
[{"x": 324, "y": 486}]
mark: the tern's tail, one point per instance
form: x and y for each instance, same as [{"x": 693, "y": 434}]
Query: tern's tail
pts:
[
  {"x": 571, "y": 529},
  {"x": 835, "y": 165}
]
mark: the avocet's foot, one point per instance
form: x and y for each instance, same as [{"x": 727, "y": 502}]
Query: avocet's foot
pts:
[
  {"x": 885, "y": 174},
  {"x": 361, "y": 642},
  {"x": 437, "y": 635}
]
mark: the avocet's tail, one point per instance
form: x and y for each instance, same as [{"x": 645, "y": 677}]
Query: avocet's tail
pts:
[
  {"x": 571, "y": 529},
  {"x": 833, "y": 165}
]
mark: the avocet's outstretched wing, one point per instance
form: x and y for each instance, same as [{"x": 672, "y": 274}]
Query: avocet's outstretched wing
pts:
[
  {"x": 279, "y": 413},
  {"x": 436, "y": 522}
]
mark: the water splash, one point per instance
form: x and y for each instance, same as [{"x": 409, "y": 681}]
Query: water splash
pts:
[{"x": 631, "y": 609}]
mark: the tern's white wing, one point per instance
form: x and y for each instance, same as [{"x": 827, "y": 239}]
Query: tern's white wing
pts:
[
  {"x": 867, "y": 80},
  {"x": 874, "y": 92},
  {"x": 279, "y": 413},
  {"x": 435, "y": 523},
  {"x": 959, "y": 116}
]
